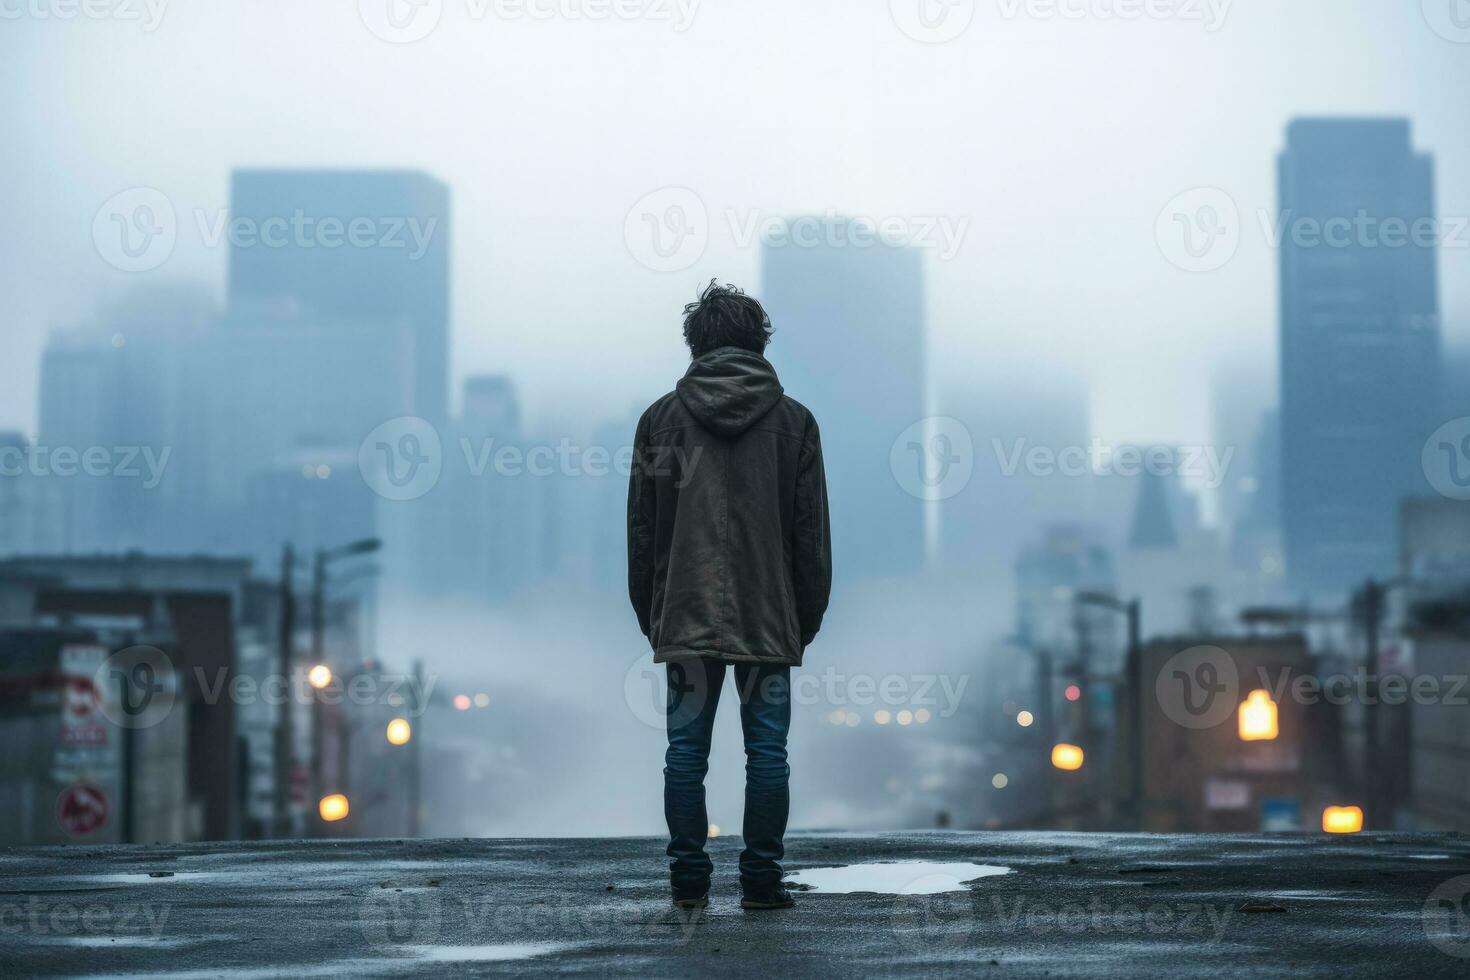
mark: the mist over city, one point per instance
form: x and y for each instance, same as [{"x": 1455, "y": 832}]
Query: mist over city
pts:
[{"x": 1137, "y": 333}]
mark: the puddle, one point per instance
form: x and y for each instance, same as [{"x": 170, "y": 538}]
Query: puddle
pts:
[
  {"x": 901, "y": 878},
  {"x": 357, "y": 967},
  {"x": 116, "y": 942},
  {"x": 482, "y": 954}
]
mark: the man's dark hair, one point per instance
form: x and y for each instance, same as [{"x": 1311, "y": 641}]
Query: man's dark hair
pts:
[{"x": 725, "y": 317}]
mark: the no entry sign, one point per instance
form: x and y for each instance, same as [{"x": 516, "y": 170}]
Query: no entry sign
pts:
[{"x": 81, "y": 809}]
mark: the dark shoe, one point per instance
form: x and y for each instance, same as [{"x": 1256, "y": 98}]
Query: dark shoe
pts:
[
  {"x": 775, "y": 897},
  {"x": 687, "y": 900}
]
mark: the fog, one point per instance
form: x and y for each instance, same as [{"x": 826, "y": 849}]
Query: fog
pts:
[
  {"x": 1058, "y": 138},
  {"x": 1039, "y": 163}
]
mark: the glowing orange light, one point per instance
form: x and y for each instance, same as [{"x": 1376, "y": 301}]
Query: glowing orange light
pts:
[
  {"x": 1068, "y": 757},
  {"x": 1258, "y": 717},
  {"x": 319, "y": 676},
  {"x": 332, "y": 807},
  {"x": 1342, "y": 819},
  {"x": 399, "y": 731}
]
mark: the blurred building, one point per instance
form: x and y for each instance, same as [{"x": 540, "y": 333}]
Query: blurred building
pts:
[
  {"x": 22, "y": 512},
  {"x": 1254, "y": 527},
  {"x": 1455, "y": 388},
  {"x": 1438, "y": 779},
  {"x": 354, "y": 246},
  {"x": 124, "y": 389},
  {"x": 87, "y": 643},
  {"x": 849, "y": 345},
  {"x": 1049, "y": 574},
  {"x": 1360, "y": 359},
  {"x": 1073, "y": 656},
  {"x": 157, "y": 628},
  {"x": 1180, "y": 567},
  {"x": 1428, "y": 731},
  {"x": 1199, "y": 774},
  {"x": 1008, "y": 504},
  {"x": 1245, "y": 422},
  {"x": 479, "y": 532}
]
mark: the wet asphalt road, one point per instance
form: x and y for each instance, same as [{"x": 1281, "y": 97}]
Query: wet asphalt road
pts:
[{"x": 1073, "y": 905}]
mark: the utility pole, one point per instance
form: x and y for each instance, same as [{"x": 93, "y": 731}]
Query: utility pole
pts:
[
  {"x": 284, "y": 734},
  {"x": 1133, "y": 667},
  {"x": 415, "y": 750},
  {"x": 1370, "y": 612},
  {"x": 318, "y": 647}
]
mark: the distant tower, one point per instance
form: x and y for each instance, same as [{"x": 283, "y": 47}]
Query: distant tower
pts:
[
  {"x": 1153, "y": 523},
  {"x": 1359, "y": 344},
  {"x": 389, "y": 263},
  {"x": 849, "y": 344},
  {"x": 491, "y": 407}
]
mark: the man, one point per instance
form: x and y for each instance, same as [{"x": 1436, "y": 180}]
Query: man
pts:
[{"x": 729, "y": 562}]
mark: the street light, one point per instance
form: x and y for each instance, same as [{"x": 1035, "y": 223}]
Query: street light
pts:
[
  {"x": 399, "y": 731},
  {"x": 333, "y": 807},
  {"x": 1342, "y": 819},
  {"x": 1258, "y": 717},
  {"x": 320, "y": 675},
  {"x": 1066, "y": 757}
]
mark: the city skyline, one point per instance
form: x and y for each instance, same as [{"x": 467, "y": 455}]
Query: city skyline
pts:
[{"x": 1112, "y": 303}]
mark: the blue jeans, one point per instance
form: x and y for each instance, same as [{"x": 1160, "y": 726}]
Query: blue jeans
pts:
[{"x": 765, "y": 717}]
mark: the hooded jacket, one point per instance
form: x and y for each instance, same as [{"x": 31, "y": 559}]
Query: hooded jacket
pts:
[{"x": 729, "y": 550}]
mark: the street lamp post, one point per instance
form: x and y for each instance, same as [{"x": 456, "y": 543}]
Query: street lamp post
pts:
[
  {"x": 285, "y": 750},
  {"x": 1132, "y": 611},
  {"x": 415, "y": 751},
  {"x": 322, "y": 559},
  {"x": 1368, "y": 605}
]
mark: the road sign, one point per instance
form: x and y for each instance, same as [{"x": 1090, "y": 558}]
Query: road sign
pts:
[{"x": 81, "y": 809}]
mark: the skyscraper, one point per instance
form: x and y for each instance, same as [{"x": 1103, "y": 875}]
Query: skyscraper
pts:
[
  {"x": 357, "y": 246},
  {"x": 1359, "y": 342},
  {"x": 849, "y": 344}
]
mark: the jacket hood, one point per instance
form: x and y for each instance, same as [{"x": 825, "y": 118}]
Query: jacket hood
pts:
[{"x": 729, "y": 389}]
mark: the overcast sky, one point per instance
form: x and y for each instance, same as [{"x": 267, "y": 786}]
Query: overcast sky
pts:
[{"x": 1054, "y": 140}]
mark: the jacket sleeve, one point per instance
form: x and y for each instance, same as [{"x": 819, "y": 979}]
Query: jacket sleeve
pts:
[
  {"x": 812, "y": 551},
  {"x": 641, "y": 507}
]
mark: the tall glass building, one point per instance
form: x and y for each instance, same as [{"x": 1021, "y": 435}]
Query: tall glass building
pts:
[
  {"x": 1360, "y": 339},
  {"x": 849, "y": 345}
]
